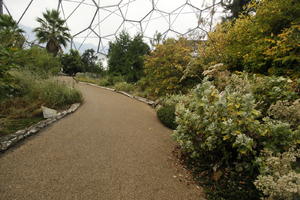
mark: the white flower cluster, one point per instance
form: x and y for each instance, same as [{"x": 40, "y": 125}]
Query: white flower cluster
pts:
[{"x": 278, "y": 180}]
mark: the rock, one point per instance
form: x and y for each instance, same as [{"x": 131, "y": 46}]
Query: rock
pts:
[
  {"x": 74, "y": 107},
  {"x": 217, "y": 175},
  {"x": 48, "y": 112}
]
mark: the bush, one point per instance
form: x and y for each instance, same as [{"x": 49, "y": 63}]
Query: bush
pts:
[
  {"x": 166, "y": 114},
  {"x": 277, "y": 179},
  {"x": 39, "y": 61},
  {"x": 166, "y": 65},
  {"x": 35, "y": 59},
  {"x": 270, "y": 89},
  {"x": 286, "y": 111},
  {"x": 72, "y": 63},
  {"x": 6, "y": 81},
  {"x": 114, "y": 79},
  {"x": 55, "y": 95},
  {"x": 166, "y": 110},
  {"x": 228, "y": 128},
  {"x": 123, "y": 86},
  {"x": 264, "y": 42}
]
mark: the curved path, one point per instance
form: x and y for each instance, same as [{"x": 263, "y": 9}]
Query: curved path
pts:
[{"x": 111, "y": 148}]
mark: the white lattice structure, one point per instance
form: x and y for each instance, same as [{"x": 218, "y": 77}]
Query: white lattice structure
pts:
[{"x": 96, "y": 22}]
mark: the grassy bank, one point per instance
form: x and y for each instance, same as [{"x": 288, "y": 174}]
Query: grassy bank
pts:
[
  {"x": 118, "y": 83},
  {"x": 30, "y": 93}
]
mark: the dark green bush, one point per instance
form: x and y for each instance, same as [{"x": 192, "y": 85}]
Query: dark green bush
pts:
[
  {"x": 72, "y": 63},
  {"x": 166, "y": 114}
]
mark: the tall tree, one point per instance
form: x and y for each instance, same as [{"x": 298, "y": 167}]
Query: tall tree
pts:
[
  {"x": 235, "y": 7},
  {"x": 125, "y": 56},
  {"x": 53, "y": 31}
]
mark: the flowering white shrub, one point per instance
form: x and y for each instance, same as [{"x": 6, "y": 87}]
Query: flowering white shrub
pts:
[
  {"x": 277, "y": 179},
  {"x": 226, "y": 126},
  {"x": 217, "y": 121},
  {"x": 286, "y": 111}
]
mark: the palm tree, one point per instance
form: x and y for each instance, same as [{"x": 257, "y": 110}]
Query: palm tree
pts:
[
  {"x": 10, "y": 33},
  {"x": 52, "y": 31}
]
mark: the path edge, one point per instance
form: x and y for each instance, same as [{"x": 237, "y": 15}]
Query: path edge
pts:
[
  {"x": 10, "y": 140},
  {"x": 141, "y": 99}
]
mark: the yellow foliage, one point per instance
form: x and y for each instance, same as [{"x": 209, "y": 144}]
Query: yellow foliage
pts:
[{"x": 165, "y": 66}]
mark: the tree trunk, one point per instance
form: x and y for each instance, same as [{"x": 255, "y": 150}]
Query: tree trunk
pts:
[{"x": 52, "y": 47}]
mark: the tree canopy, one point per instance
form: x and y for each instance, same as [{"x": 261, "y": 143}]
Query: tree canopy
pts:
[
  {"x": 235, "y": 7},
  {"x": 52, "y": 31},
  {"x": 90, "y": 61},
  {"x": 126, "y": 56}
]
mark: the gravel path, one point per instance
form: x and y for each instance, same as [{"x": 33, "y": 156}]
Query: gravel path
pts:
[{"x": 111, "y": 148}]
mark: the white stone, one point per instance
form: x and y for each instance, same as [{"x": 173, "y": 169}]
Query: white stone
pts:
[{"x": 48, "y": 112}]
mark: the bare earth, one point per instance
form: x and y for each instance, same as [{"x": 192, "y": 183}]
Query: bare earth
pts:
[{"x": 112, "y": 148}]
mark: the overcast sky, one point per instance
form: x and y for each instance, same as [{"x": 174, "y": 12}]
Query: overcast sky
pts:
[{"x": 87, "y": 22}]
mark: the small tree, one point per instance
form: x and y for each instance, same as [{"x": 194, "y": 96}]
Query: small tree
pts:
[
  {"x": 52, "y": 31},
  {"x": 72, "y": 63},
  {"x": 89, "y": 60}
]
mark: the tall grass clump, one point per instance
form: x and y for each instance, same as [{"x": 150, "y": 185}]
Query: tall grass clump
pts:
[
  {"x": 31, "y": 92},
  {"x": 51, "y": 92}
]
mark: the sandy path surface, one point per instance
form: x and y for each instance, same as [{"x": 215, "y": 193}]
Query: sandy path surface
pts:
[{"x": 111, "y": 148}]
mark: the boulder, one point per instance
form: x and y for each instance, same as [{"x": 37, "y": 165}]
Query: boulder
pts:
[{"x": 48, "y": 112}]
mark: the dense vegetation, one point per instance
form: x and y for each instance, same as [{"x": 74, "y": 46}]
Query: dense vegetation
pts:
[
  {"x": 234, "y": 102},
  {"x": 233, "y": 99},
  {"x": 126, "y": 56},
  {"x": 26, "y": 80},
  {"x": 73, "y": 62}
]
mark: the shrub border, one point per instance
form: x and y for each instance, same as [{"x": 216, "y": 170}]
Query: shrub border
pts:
[{"x": 12, "y": 139}]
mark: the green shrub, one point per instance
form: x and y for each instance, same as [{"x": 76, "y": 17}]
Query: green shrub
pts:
[
  {"x": 165, "y": 67},
  {"x": 39, "y": 61},
  {"x": 123, "y": 86},
  {"x": 35, "y": 59},
  {"x": 268, "y": 90},
  {"x": 113, "y": 79},
  {"x": 72, "y": 63},
  {"x": 104, "y": 82},
  {"x": 227, "y": 130},
  {"x": 166, "y": 114},
  {"x": 226, "y": 126}
]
